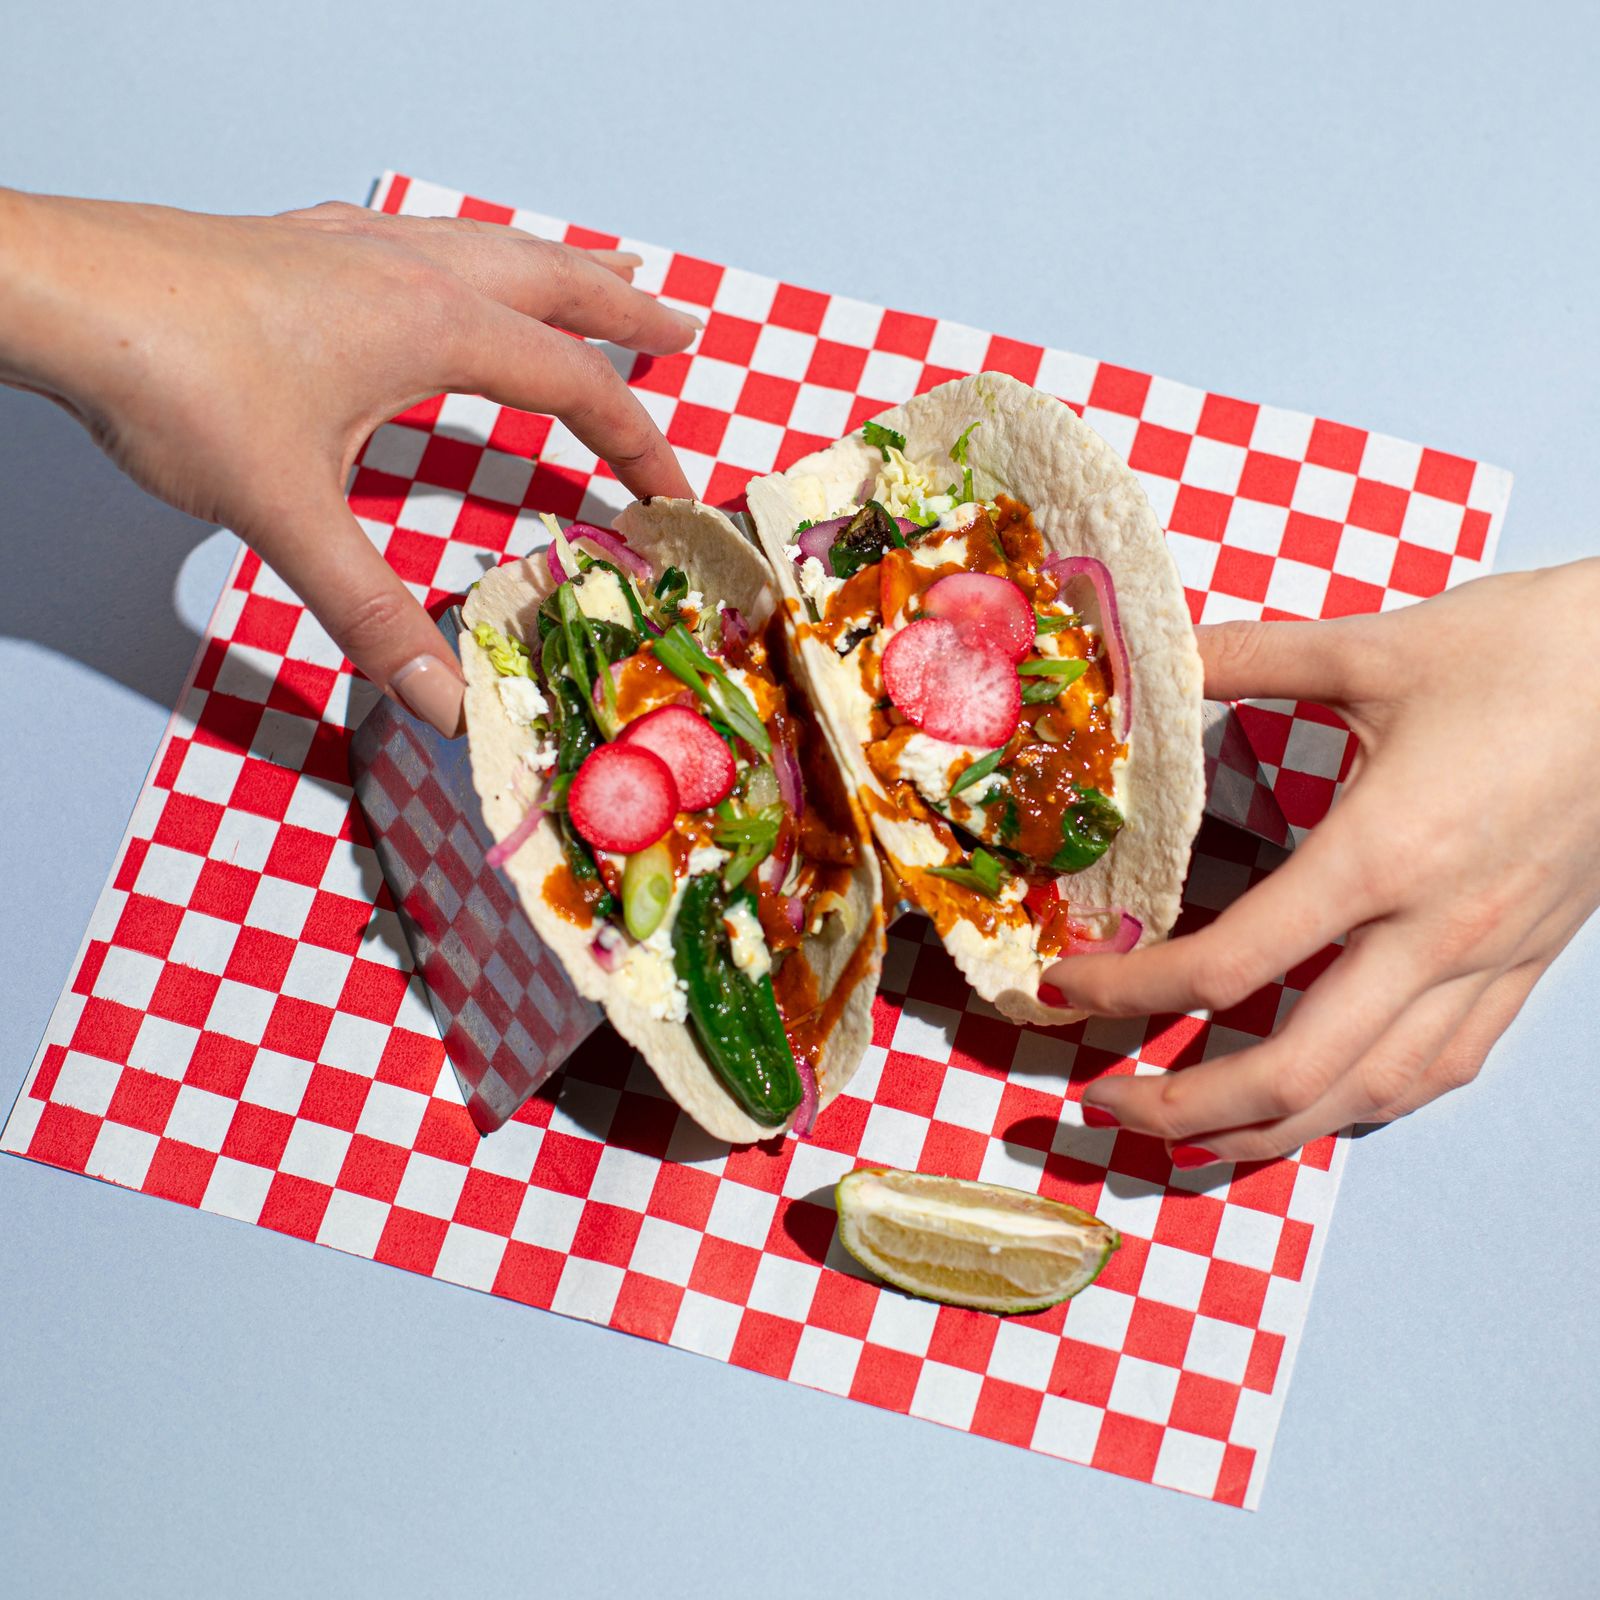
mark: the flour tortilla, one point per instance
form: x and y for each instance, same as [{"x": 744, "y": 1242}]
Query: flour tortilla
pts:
[
  {"x": 1085, "y": 501},
  {"x": 722, "y": 565}
]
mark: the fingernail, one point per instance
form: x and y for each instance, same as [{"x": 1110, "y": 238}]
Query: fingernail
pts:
[
  {"x": 1098, "y": 1117},
  {"x": 1185, "y": 1156},
  {"x": 432, "y": 691},
  {"x": 1049, "y": 995},
  {"x": 626, "y": 258},
  {"x": 689, "y": 316}
]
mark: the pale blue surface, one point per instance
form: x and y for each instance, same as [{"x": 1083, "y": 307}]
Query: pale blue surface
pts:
[{"x": 1386, "y": 218}]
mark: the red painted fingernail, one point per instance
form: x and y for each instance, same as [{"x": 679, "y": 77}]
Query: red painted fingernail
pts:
[
  {"x": 1098, "y": 1117},
  {"x": 1049, "y": 995},
  {"x": 1185, "y": 1156}
]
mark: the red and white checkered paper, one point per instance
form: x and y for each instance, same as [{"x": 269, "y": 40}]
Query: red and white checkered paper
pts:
[{"x": 242, "y": 1032}]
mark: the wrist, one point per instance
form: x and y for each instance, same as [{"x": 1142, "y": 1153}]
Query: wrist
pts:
[{"x": 25, "y": 312}]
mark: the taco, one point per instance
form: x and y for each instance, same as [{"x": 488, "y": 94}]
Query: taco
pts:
[
  {"x": 984, "y": 601},
  {"x": 670, "y": 814}
]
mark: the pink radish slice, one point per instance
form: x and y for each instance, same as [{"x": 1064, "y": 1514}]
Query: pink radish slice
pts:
[
  {"x": 986, "y": 608},
  {"x": 951, "y": 687},
  {"x": 701, "y": 764},
  {"x": 615, "y": 547},
  {"x": 1065, "y": 568},
  {"x": 623, "y": 798}
]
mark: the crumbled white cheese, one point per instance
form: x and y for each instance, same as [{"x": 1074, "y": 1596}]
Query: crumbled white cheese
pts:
[
  {"x": 925, "y": 763},
  {"x": 695, "y": 601},
  {"x": 649, "y": 975},
  {"x": 543, "y": 755},
  {"x": 746, "y": 940},
  {"x": 959, "y": 516},
  {"x": 599, "y": 595},
  {"x": 522, "y": 700},
  {"x": 818, "y": 585},
  {"x": 847, "y": 684},
  {"x": 791, "y": 552},
  {"x": 705, "y": 858}
]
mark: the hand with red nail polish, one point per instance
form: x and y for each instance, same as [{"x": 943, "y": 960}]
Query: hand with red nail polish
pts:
[
  {"x": 235, "y": 365},
  {"x": 1459, "y": 862}
]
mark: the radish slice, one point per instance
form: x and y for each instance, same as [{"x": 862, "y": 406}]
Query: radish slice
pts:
[
  {"x": 805, "y": 1119},
  {"x": 1118, "y": 942},
  {"x": 952, "y": 688},
  {"x": 701, "y": 764},
  {"x": 988, "y": 609},
  {"x": 623, "y": 797},
  {"x": 615, "y": 548},
  {"x": 1064, "y": 568}
]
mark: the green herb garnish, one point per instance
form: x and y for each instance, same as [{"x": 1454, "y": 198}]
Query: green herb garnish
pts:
[
  {"x": 678, "y": 652},
  {"x": 750, "y": 837},
  {"x": 958, "y": 451},
  {"x": 881, "y": 438},
  {"x": 868, "y": 534},
  {"x": 1069, "y": 671},
  {"x": 1087, "y": 829},
  {"x": 978, "y": 771},
  {"x": 985, "y": 874}
]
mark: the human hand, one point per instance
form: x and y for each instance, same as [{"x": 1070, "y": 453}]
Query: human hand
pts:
[
  {"x": 235, "y": 365},
  {"x": 1463, "y": 855}
]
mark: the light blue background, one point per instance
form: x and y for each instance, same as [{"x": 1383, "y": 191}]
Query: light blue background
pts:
[{"x": 1382, "y": 214}]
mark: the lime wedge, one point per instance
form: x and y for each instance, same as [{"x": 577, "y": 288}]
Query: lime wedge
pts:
[{"x": 970, "y": 1244}]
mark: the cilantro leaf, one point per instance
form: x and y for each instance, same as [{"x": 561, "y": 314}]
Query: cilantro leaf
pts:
[{"x": 880, "y": 438}]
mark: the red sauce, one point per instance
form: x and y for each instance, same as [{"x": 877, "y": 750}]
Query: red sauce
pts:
[{"x": 572, "y": 897}]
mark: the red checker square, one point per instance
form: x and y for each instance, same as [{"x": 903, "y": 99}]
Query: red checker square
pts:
[
  {"x": 450, "y": 463},
  {"x": 843, "y": 1304},
  {"x": 410, "y": 1061},
  {"x": 566, "y": 1164},
  {"x": 447, "y": 1133},
  {"x": 902, "y": 334},
  {"x": 519, "y": 433},
  {"x": 1015, "y": 356},
  {"x": 267, "y": 624},
  {"x": 1173, "y": 1041},
  {"x": 1350, "y": 597},
  {"x": 1233, "y": 1480},
  {"x": 606, "y": 1233},
  {"x": 372, "y": 991},
  {"x": 835, "y": 366},
  {"x": 147, "y": 925},
  {"x": 1204, "y": 1406},
  {"x": 589, "y": 239},
  {"x": 1418, "y": 570},
  {"x": 490, "y": 1202},
  {"x": 760, "y": 1166},
  {"x": 297, "y": 1028},
  {"x": 220, "y": 1064},
  {"x": 1231, "y": 421},
  {"x": 1379, "y": 506},
  {"x": 224, "y": 891},
  {"x": 212, "y": 656},
  {"x": 1261, "y": 1372},
  {"x": 795, "y": 445},
  {"x": 132, "y": 864},
  {"x": 64, "y": 1137},
  {"x": 1312, "y": 968},
  {"x": 373, "y": 1167},
  {"x": 935, "y": 977},
  {"x": 142, "y": 1100},
  {"x": 299, "y": 855},
  {"x": 178, "y": 1172},
  {"x": 663, "y": 374},
  {"x": 1254, "y": 1014},
  {"x": 1028, "y": 1117},
  {"x": 415, "y": 556},
  {"x": 801, "y": 1230},
  {"x": 644, "y": 1123},
  {"x": 334, "y": 1097},
  {"x": 691, "y": 279},
  {"x": 801, "y": 309},
  {"x": 44, "y": 1080},
  {"x": 378, "y": 496},
  {"x": 106, "y": 1029},
  {"x": 1162, "y": 451},
  {"x": 257, "y": 1134},
  {"x": 188, "y": 824},
  {"x": 683, "y": 1195},
  {"x": 1158, "y": 1332},
  {"x": 557, "y": 490},
  {"x": 1234, "y": 1293},
  {"x": 336, "y": 922},
  {"x": 695, "y": 427},
  {"x": 908, "y": 1084},
  {"x": 1083, "y": 1372},
  {"x": 1303, "y": 798},
  {"x": 766, "y": 1343},
  {"x": 1334, "y": 445},
  {"x": 983, "y": 1044},
  {"x": 727, "y": 485},
  {"x": 184, "y": 994},
  {"x": 963, "y": 1338},
  {"x": 411, "y": 1240},
  {"x": 886, "y": 1378},
  {"x": 227, "y": 723},
  {"x": 1119, "y": 389},
  {"x": 1245, "y": 573},
  {"x": 724, "y": 1270},
  {"x": 1263, "y": 1186},
  {"x": 862, "y": 409},
  {"x": 302, "y": 689},
  {"x": 483, "y": 211},
  {"x": 1076, "y": 1183},
  {"x": 425, "y": 413},
  {"x": 249, "y": 571},
  {"x": 1294, "y": 1245},
  {"x": 932, "y": 377},
  {"x": 487, "y": 523},
  {"x": 842, "y": 1125},
  {"x": 1268, "y": 478},
  {"x": 1474, "y": 534},
  {"x": 295, "y": 1206},
  {"x": 259, "y": 958},
  {"x": 263, "y": 789},
  {"x": 88, "y": 973},
  {"x": 767, "y": 398},
  {"x": 1445, "y": 477},
  {"x": 1319, "y": 1153},
  {"x": 1201, "y": 513},
  {"x": 529, "y": 1274},
  {"x": 952, "y": 1152},
  {"x": 1128, "y": 1446},
  {"x": 646, "y": 1307},
  {"x": 1006, "y": 1411},
  {"x": 730, "y": 339},
  {"x": 1313, "y": 540},
  {"x": 1189, "y": 1221},
  {"x": 1125, "y": 1270},
  {"x": 177, "y": 749}
]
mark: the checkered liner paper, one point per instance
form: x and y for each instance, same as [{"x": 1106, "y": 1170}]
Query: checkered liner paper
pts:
[{"x": 242, "y": 1031}]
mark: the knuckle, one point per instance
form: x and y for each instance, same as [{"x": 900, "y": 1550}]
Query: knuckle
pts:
[
  {"x": 373, "y": 622},
  {"x": 1299, "y": 1083},
  {"x": 1222, "y": 979},
  {"x": 1386, "y": 1078}
]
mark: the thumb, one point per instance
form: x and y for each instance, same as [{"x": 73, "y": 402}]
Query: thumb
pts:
[{"x": 1280, "y": 660}]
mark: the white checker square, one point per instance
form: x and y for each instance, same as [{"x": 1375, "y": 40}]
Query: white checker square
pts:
[
  {"x": 314, "y": 1151},
  {"x": 392, "y": 1114},
  {"x": 742, "y": 1214},
  {"x": 959, "y": 347},
  {"x": 1314, "y": 748},
  {"x": 1188, "y": 1461},
  {"x": 237, "y": 1189},
  {"x": 946, "y": 1394},
  {"x": 430, "y": 509},
  {"x": 563, "y": 447},
  {"x": 1219, "y": 1349},
  {"x": 311, "y": 642},
  {"x": 1212, "y": 464},
  {"x": 1143, "y": 1389},
  {"x": 705, "y": 1326},
  {"x": 16, "y": 1133},
  {"x": 1162, "y": 493},
  {"x": 660, "y": 408},
  {"x": 665, "y": 1250},
  {"x": 467, "y": 416},
  {"x": 1173, "y": 405},
  {"x": 315, "y": 974},
  {"x": 243, "y": 840},
  {"x": 1015, "y": 1166},
  {"x": 430, "y": 1185},
  {"x": 1065, "y": 375},
  {"x": 1298, "y": 587},
  {"x": 225, "y": 614},
  {"x": 1282, "y": 1307},
  {"x": 1174, "y": 1277},
  {"x": 247, "y": 673},
  {"x": 282, "y": 739},
  {"x": 1254, "y": 1422},
  {"x": 812, "y": 1173},
  {"x": 1023, "y": 1355},
  {"x": 584, "y": 1110},
  {"x": 853, "y": 322},
  {"x": 1115, "y": 427},
  {"x": 1255, "y": 526},
  {"x": 825, "y": 1360},
  {"x": 502, "y": 477},
  {"x": 1391, "y": 461},
  {"x": 128, "y": 976},
  {"x": 784, "y": 1287},
  {"x": 86, "y": 1083},
  {"x": 460, "y": 565},
  {"x": 624, "y": 1178},
  {"x": 1282, "y": 433},
  {"x": 745, "y": 294},
  {"x": 1312, "y": 1199},
  {"x": 354, "y": 1044},
  {"x": 353, "y": 1223},
  {"x": 1434, "y": 524},
  {"x": 1249, "y": 1237},
  {"x": 1323, "y": 492},
  {"x": 318, "y": 805},
  {"x": 208, "y": 773},
  {"x": 713, "y": 383},
  {"x": 1365, "y": 555},
  {"x": 969, "y": 1100},
  {"x": 395, "y": 450},
  {"x": 1196, "y": 559},
  {"x": 240, "y": 1010},
  {"x": 276, "y": 1081},
  {"x": 820, "y": 411},
  {"x": 163, "y": 1047},
  {"x": 1067, "y": 1428},
  {"x": 280, "y": 906},
  {"x": 1131, "y": 1205},
  {"x": 751, "y": 443},
  {"x": 1221, "y": 607},
  {"x": 470, "y": 1257},
  {"x": 901, "y": 1323},
  {"x": 121, "y": 1155},
  {"x": 782, "y": 352},
  {"x": 892, "y": 1137},
  {"x": 925, "y": 1030},
  {"x": 547, "y": 1218},
  {"x": 201, "y": 1118},
  {"x": 864, "y": 1085},
  {"x": 352, "y": 869},
  {"x": 889, "y": 377},
  {"x": 1100, "y": 1318},
  {"x": 169, "y": 875}
]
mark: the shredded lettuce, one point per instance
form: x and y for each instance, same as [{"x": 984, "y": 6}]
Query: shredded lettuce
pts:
[{"x": 509, "y": 657}]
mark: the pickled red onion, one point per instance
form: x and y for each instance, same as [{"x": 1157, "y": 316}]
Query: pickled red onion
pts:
[
  {"x": 498, "y": 854},
  {"x": 735, "y": 630},
  {"x": 805, "y": 1119},
  {"x": 1118, "y": 943},
  {"x": 614, "y": 546},
  {"x": 1061, "y": 568}
]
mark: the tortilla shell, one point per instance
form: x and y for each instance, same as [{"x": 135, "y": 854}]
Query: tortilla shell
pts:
[
  {"x": 722, "y": 565},
  {"x": 1085, "y": 500}
]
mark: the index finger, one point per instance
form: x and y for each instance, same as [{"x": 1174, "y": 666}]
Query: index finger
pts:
[{"x": 1315, "y": 661}]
